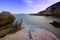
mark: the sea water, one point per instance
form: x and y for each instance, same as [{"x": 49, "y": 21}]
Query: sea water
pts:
[
  {"x": 34, "y": 21},
  {"x": 26, "y": 20},
  {"x": 30, "y": 21}
]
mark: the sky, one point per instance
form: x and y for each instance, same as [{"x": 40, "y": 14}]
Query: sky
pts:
[{"x": 25, "y": 6}]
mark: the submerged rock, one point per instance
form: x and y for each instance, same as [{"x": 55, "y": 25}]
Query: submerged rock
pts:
[{"x": 56, "y": 24}]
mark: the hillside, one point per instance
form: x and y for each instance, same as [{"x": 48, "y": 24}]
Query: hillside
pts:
[{"x": 53, "y": 10}]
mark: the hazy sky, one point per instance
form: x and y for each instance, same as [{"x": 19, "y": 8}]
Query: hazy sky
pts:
[{"x": 25, "y": 6}]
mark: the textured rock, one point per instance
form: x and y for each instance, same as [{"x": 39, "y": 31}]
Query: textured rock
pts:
[
  {"x": 53, "y": 10},
  {"x": 18, "y": 25},
  {"x": 6, "y": 18},
  {"x": 5, "y": 30},
  {"x": 6, "y": 24},
  {"x": 31, "y": 34},
  {"x": 55, "y": 24}
]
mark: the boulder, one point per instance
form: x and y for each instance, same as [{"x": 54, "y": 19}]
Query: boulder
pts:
[
  {"x": 6, "y": 18},
  {"x": 9, "y": 29},
  {"x": 55, "y": 24}
]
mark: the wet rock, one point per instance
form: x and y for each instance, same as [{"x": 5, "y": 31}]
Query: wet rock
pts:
[
  {"x": 55, "y": 24},
  {"x": 18, "y": 25}
]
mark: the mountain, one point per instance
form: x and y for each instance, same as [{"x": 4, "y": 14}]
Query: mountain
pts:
[{"x": 53, "y": 10}]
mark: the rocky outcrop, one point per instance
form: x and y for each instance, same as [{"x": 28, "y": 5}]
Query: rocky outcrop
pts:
[
  {"x": 18, "y": 25},
  {"x": 6, "y": 24},
  {"x": 55, "y": 24},
  {"x": 41, "y": 12},
  {"x": 53, "y": 10},
  {"x": 6, "y": 18},
  {"x": 9, "y": 29}
]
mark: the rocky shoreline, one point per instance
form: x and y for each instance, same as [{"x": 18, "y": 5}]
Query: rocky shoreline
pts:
[
  {"x": 53, "y": 10},
  {"x": 6, "y": 24}
]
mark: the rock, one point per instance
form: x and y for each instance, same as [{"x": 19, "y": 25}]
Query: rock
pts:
[
  {"x": 53, "y": 10},
  {"x": 6, "y": 23},
  {"x": 18, "y": 26},
  {"x": 41, "y": 12},
  {"x": 31, "y": 34},
  {"x": 6, "y": 18},
  {"x": 55, "y": 24},
  {"x": 9, "y": 29},
  {"x": 6, "y": 30}
]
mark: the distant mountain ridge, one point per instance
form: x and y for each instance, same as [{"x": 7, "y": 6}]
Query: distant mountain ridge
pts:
[{"x": 51, "y": 10}]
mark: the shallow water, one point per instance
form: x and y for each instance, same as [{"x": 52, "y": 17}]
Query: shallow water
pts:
[
  {"x": 38, "y": 22},
  {"x": 33, "y": 21}
]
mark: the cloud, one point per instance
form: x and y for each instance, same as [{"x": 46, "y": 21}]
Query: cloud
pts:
[
  {"x": 29, "y": 2},
  {"x": 38, "y": 5}
]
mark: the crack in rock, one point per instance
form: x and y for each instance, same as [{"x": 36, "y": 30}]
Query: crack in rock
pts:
[{"x": 30, "y": 35}]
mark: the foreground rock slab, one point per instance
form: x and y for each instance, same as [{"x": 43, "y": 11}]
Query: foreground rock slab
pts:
[
  {"x": 9, "y": 29},
  {"x": 31, "y": 34}
]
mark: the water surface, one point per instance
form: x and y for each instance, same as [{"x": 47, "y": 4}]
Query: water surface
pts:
[{"x": 38, "y": 22}]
